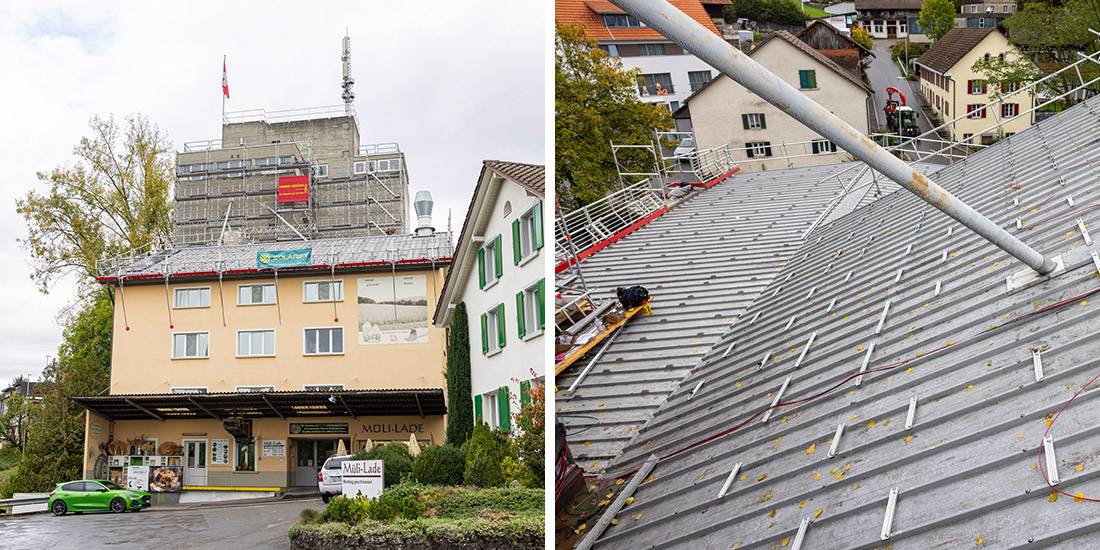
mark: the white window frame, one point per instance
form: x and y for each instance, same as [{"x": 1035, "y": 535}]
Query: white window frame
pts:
[
  {"x": 343, "y": 343},
  {"x": 531, "y": 312},
  {"x": 824, "y": 147},
  {"x": 755, "y": 120},
  {"x": 527, "y": 230},
  {"x": 175, "y": 296},
  {"x": 1015, "y": 107},
  {"x": 274, "y": 294},
  {"x": 320, "y": 170},
  {"x": 490, "y": 262},
  {"x": 172, "y": 345},
  {"x": 326, "y": 387},
  {"x": 336, "y": 282},
  {"x": 254, "y": 389},
  {"x": 759, "y": 149},
  {"x": 274, "y": 343},
  {"x": 492, "y": 415},
  {"x": 189, "y": 390},
  {"x": 359, "y": 167},
  {"x": 492, "y": 324}
]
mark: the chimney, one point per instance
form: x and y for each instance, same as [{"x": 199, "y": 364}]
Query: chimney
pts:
[{"x": 423, "y": 205}]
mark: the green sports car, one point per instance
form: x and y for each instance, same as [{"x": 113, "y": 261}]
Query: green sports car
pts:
[{"x": 95, "y": 494}]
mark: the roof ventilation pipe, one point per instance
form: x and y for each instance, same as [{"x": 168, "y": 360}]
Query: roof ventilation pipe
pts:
[
  {"x": 711, "y": 48},
  {"x": 423, "y": 205}
]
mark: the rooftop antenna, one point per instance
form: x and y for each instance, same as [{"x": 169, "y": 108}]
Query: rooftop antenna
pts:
[{"x": 348, "y": 95}]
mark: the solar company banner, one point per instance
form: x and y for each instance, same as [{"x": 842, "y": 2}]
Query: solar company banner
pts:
[
  {"x": 271, "y": 259},
  {"x": 293, "y": 189}
]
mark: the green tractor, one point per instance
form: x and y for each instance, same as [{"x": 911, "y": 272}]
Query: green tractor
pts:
[{"x": 901, "y": 119}]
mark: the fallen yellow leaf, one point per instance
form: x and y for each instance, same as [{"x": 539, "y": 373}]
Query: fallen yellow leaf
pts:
[
  {"x": 1053, "y": 496},
  {"x": 818, "y": 513},
  {"x": 810, "y": 450}
]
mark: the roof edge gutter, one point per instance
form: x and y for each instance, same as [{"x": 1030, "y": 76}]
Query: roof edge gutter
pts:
[{"x": 711, "y": 48}]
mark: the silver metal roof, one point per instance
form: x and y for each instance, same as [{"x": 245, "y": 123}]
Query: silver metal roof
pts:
[
  {"x": 335, "y": 251},
  {"x": 966, "y": 472},
  {"x": 703, "y": 262}
]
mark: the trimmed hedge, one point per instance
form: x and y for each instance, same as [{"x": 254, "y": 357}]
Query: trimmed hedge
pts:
[{"x": 439, "y": 465}]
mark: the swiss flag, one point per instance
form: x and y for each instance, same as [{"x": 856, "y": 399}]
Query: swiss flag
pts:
[{"x": 225, "y": 80}]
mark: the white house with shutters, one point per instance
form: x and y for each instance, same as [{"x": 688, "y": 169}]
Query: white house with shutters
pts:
[{"x": 499, "y": 272}]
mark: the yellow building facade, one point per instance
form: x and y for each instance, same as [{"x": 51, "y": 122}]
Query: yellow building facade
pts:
[{"x": 231, "y": 375}]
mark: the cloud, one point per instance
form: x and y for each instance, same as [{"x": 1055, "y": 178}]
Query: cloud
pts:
[{"x": 453, "y": 83}]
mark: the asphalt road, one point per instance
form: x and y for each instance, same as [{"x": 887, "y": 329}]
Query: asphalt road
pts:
[
  {"x": 215, "y": 526},
  {"x": 883, "y": 73}
]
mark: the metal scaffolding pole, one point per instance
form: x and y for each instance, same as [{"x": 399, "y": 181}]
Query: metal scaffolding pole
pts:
[{"x": 711, "y": 48}]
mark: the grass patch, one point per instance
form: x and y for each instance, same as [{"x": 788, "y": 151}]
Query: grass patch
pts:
[{"x": 815, "y": 13}]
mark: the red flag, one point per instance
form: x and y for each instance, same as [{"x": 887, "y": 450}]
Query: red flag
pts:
[{"x": 225, "y": 79}]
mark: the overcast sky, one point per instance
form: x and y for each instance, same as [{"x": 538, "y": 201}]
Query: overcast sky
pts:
[{"x": 453, "y": 82}]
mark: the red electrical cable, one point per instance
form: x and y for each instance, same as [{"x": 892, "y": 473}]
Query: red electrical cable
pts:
[{"x": 1039, "y": 458}]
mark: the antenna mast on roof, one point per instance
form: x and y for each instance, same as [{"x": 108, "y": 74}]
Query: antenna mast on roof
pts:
[{"x": 348, "y": 95}]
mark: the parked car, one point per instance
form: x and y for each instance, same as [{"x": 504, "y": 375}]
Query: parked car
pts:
[
  {"x": 686, "y": 147},
  {"x": 95, "y": 494},
  {"x": 330, "y": 477}
]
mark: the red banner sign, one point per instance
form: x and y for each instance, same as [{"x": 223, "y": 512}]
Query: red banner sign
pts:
[{"x": 293, "y": 188}]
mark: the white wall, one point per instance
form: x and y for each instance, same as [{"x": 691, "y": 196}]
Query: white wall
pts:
[
  {"x": 716, "y": 112},
  {"x": 678, "y": 67},
  {"x": 519, "y": 359}
]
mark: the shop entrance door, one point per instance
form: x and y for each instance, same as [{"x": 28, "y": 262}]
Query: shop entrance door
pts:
[
  {"x": 311, "y": 455},
  {"x": 194, "y": 462}
]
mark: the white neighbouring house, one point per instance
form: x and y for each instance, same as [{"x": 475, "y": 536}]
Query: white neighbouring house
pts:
[
  {"x": 760, "y": 136},
  {"x": 499, "y": 272}
]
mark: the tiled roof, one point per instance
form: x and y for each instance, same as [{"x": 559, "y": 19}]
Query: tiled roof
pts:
[
  {"x": 586, "y": 14},
  {"x": 703, "y": 262},
  {"x": 914, "y": 5},
  {"x": 953, "y": 46},
  {"x": 919, "y": 294},
  {"x": 794, "y": 41},
  {"x": 348, "y": 253},
  {"x": 821, "y": 26},
  {"x": 530, "y": 176}
]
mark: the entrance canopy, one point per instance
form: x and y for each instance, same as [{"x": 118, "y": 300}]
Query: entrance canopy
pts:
[{"x": 280, "y": 404}]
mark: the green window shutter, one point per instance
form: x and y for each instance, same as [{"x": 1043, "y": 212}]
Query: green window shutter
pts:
[
  {"x": 517, "y": 254},
  {"x": 500, "y": 325},
  {"x": 763, "y": 121},
  {"x": 481, "y": 268},
  {"x": 524, "y": 394},
  {"x": 813, "y": 78},
  {"x": 498, "y": 255},
  {"x": 519, "y": 315},
  {"x": 540, "y": 297},
  {"x": 813, "y": 145},
  {"x": 745, "y": 120},
  {"x": 477, "y": 409},
  {"x": 484, "y": 334},
  {"x": 538, "y": 225},
  {"x": 803, "y": 80},
  {"x": 504, "y": 409}
]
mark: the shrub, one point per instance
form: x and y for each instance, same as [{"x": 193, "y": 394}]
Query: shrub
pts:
[
  {"x": 485, "y": 454},
  {"x": 396, "y": 460},
  {"x": 440, "y": 465},
  {"x": 308, "y": 515},
  {"x": 863, "y": 38},
  {"x": 467, "y": 503},
  {"x": 395, "y": 504},
  {"x": 530, "y": 441},
  {"x": 346, "y": 510}
]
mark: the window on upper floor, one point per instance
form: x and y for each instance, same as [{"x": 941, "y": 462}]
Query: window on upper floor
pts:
[
  {"x": 807, "y": 79},
  {"x": 655, "y": 84},
  {"x": 620, "y": 20},
  {"x": 320, "y": 170},
  {"x": 359, "y": 167},
  {"x": 192, "y": 297},
  {"x": 190, "y": 345},
  {"x": 188, "y": 390},
  {"x": 975, "y": 110},
  {"x": 492, "y": 330},
  {"x": 256, "y": 343},
  {"x": 323, "y": 291},
  {"x": 975, "y": 87},
  {"x": 527, "y": 234},
  {"x": 252, "y": 295},
  {"x": 822, "y": 147},
  {"x": 698, "y": 79},
  {"x": 752, "y": 121},
  {"x": 384, "y": 165},
  {"x": 651, "y": 49},
  {"x": 255, "y": 389},
  {"x": 324, "y": 341},
  {"x": 531, "y": 310},
  {"x": 758, "y": 149},
  {"x": 490, "y": 262},
  {"x": 1010, "y": 109}
]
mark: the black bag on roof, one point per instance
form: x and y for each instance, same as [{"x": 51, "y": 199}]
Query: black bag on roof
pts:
[{"x": 632, "y": 296}]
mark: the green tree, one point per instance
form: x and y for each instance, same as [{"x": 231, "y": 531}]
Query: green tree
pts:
[
  {"x": 530, "y": 440},
  {"x": 937, "y": 17},
  {"x": 112, "y": 200},
  {"x": 783, "y": 12},
  {"x": 485, "y": 453},
  {"x": 595, "y": 103},
  {"x": 460, "y": 408},
  {"x": 863, "y": 38},
  {"x": 55, "y": 440},
  {"x": 14, "y": 421},
  {"x": 1004, "y": 74},
  {"x": 1050, "y": 36}
]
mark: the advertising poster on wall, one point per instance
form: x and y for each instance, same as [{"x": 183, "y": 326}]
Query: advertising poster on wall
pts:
[
  {"x": 274, "y": 447},
  {"x": 393, "y": 310},
  {"x": 219, "y": 451},
  {"x": 166, "y": 479}
]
